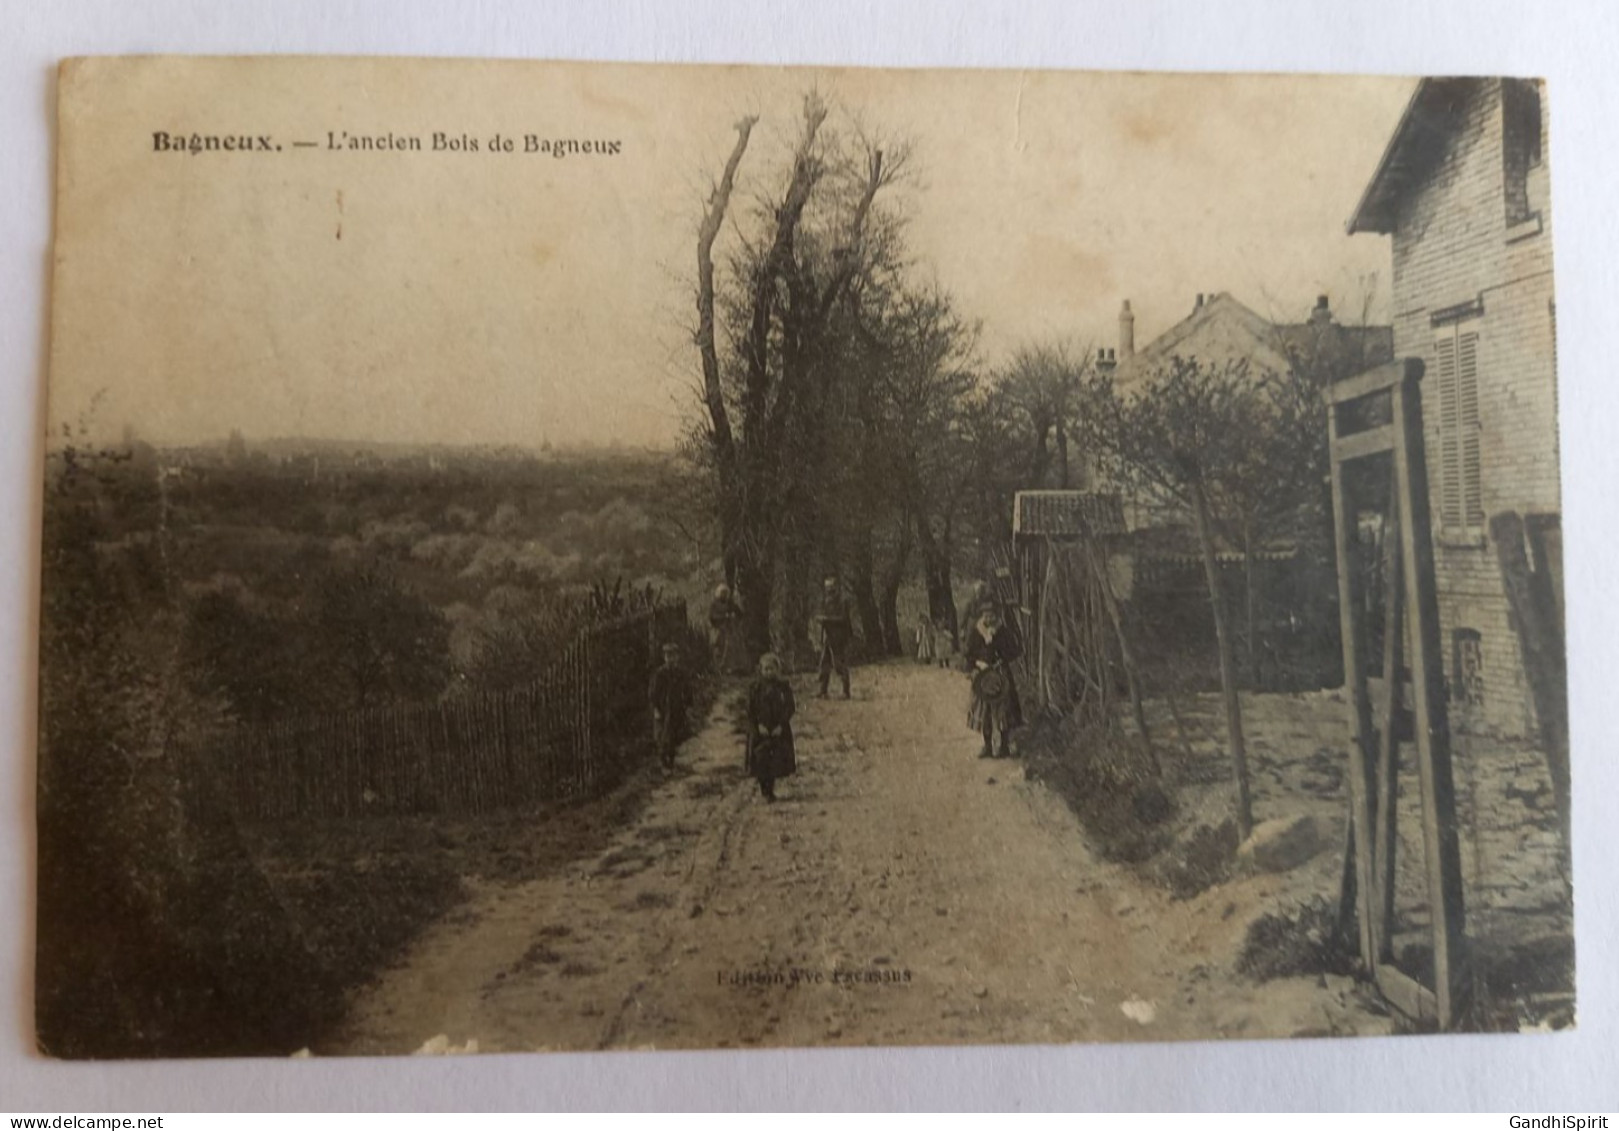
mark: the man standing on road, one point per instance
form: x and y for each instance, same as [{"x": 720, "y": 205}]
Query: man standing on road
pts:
[
  {"x": 724, "y": 618},
  {"x": 835, "y": 636}
]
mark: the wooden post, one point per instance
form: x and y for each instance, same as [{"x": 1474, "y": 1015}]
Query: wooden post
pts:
[
  {"x": 1360, "y": 707},
  {"x": 1532, "y": 599},
  {"x": 1440, "y": 842},
  {"x": 1388, "y": 745}
]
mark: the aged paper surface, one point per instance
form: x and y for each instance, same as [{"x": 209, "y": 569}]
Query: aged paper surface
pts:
[{"x": 560, "y": 556}]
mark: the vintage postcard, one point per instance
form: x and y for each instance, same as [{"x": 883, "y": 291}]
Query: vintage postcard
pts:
[{"x": 549, "y": 556}]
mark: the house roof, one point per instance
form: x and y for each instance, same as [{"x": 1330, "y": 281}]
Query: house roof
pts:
[
  {"x": 1223, "y": 330},
  {"x": 1431, "y": 116},
  {"x": 1066, "y": 514},
  {"x": 1220, "y": 330}
]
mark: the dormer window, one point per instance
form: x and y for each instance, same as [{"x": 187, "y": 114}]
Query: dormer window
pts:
[{"x": 1520, "y": 144}]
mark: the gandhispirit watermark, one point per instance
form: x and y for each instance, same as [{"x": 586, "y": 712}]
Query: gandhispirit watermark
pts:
[
  {"x": 1558, "y": 1122},
  {"x": 803, "y": 976}
]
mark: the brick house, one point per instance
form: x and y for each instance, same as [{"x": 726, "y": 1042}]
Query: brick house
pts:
[{"x": 1462, "y": 190}]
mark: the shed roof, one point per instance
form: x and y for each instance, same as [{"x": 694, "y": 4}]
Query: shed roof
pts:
[{"x": 1066, "y": 514}]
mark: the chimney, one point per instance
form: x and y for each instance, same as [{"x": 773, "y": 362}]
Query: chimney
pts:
[
  {"x": 1106, "y": 360},
  {"x": 1322, "y": 314},
  {"x": 1127, "y": 331}
]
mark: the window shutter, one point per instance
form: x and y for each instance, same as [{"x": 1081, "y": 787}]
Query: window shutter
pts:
[
  {"x": 1450, "y": 453},
  {"x": 1471, "y": 437},
  {"x": 1551, "y": 315},
  {"x": 1461, "y": 457}
]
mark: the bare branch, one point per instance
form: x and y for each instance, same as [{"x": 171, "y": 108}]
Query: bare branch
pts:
[{"x": 718, "y": 201}]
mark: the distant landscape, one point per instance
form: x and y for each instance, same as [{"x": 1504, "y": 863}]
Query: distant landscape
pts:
[
  {"x": 480, "y": 553},
  {"x": 205, "y": 593}
]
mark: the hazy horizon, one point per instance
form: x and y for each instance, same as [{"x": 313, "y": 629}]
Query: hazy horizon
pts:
[{"x": 461, "y": 298}]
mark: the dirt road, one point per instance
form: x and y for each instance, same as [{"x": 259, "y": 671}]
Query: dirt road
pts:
[{"x": 902, "y": 891}]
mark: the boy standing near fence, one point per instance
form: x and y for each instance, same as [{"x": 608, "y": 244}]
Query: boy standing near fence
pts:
[{"x": 670, "y": 696}]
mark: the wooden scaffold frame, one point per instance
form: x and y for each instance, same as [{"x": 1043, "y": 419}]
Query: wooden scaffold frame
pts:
[{"x": 1411, "y": 595}]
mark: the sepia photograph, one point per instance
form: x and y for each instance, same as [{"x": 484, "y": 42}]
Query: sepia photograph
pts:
[{"x": 546, "y": 556}]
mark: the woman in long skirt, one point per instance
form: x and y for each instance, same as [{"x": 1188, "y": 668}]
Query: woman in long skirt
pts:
[
  {"x": 927, "y": 640},
  {"x": 770, "y": 754},
  {"x": 995, "y": 709}
]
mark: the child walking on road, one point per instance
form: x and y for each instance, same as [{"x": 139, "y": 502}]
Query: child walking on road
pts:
[
  {"x": 670, "y": 697},
  {"x": 770, "y": 755}
]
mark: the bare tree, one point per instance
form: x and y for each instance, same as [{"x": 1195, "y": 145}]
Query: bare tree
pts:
[
  {"x": 1185, "y": 442},
  {"x": 812, "y": 241},
  {"x": 900, "y": 454},
  {"x": 1043, "y": 383}
]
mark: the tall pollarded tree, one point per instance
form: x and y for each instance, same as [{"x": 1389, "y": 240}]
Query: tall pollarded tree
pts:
[{"x": 762, "y": 330}]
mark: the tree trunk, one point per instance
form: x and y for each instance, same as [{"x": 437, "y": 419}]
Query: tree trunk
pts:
[
  {"x": 865, "y": 597},
  {"x": 797, "y": 607},
  {"x": 721, "y": 437},
  {"x": 1250, "y": 602},
  {"x": 799, "y": 584},
  {"x": 1228, "y": 675},
  {"x": 893, "y": 643},
  {"x": 936, "y": 576},
  {"x": 1098, "y": 561},
  {"x": 1062, "y": 456},
  {"x": 1042, "y": 456},
  {"x": 755, "y": 589}
]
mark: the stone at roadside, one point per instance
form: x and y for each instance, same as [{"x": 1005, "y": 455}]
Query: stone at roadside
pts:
[{"x": 1280, "y": 844}]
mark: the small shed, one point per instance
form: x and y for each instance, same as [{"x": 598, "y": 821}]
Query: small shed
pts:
[{"x": 1071, "y": 568}]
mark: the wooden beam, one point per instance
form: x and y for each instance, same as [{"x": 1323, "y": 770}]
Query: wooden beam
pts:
[
  {"x": 1373, "y": 381},
  {"x": 1388, "y": 742},
  {"x": 1360, "y": 706},
  {"x": 1406, "y": 994},
  {"x": 1359, "y": 445},
  {"x": 1439, "y": 834}
]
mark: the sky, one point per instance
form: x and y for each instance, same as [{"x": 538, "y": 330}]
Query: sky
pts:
[{"x": 460, "y": 297}]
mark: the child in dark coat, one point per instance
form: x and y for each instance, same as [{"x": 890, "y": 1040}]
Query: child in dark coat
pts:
[
  {"x": 670, "y": 696},
  {"x": 770, "y": 754}
]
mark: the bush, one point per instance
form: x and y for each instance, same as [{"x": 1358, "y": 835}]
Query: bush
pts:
[
  {"x": 1202, "y": 860},
  {"x": 1112, "y": 784},
  {"x": 1301, "y": 941}
]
